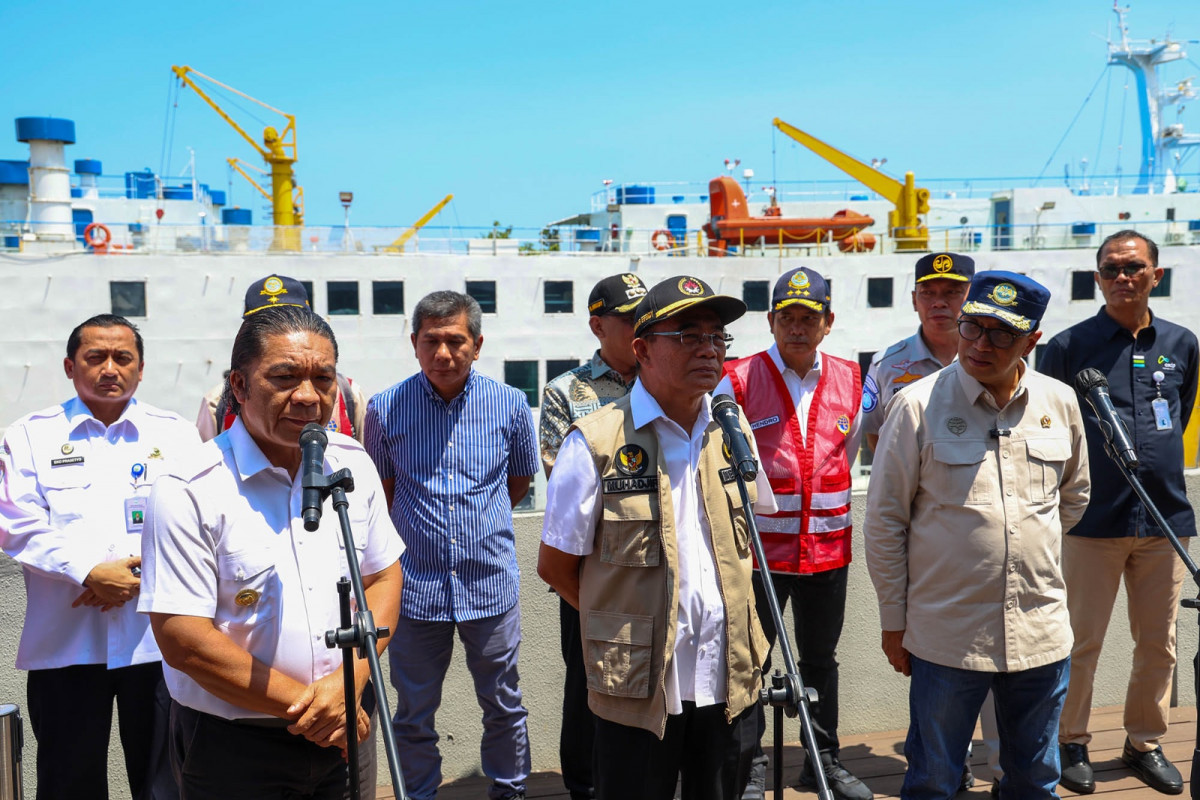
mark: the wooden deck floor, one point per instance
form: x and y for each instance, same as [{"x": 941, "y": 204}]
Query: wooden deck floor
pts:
[{"x": 878, "y": 759}]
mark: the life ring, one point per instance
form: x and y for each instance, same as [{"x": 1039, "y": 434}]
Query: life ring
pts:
[
  {"x": 97, "y": 242},
  {"x": 662, "y": 239}
]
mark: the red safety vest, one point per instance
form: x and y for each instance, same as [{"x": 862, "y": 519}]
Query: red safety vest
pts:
[{"x": 810, "y": 481}]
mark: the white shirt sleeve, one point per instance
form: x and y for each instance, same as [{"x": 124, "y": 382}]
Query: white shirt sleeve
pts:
[
  {"x": 572, "y": 499},
  {"x": 179, "y": 562}
]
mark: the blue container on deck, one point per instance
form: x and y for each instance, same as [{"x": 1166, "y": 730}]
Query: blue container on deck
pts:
[
  {"x": 1083, "y": 229},
  {"x": 177, "y": 193},
  {"x": 14, "y": 173},
  {"x": 635, "y": 195},
  {"x": 87, "y": 166},
  {"x": 217, "y": 197},
  {"x": 12, "y": 242},
  {"x": 588, "y": 235},
  {"x": 1194, "y": 224},
  {"x": 140, "y": 185},
  {"x": 236, "y": 216}
]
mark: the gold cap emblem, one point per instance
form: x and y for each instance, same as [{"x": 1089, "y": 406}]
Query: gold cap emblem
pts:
[{"x": 943, "y": 263}]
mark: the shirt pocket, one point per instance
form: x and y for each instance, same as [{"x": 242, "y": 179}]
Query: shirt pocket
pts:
[
  {"x": 65, "y": 490},
  {"x": 619, "y": 648},
  {"x": 629, "y": 530},
  {"x": 1047, "y": 461},
  {"x": 248, "y": 589},
  {"x": 359, "y": 528},
  {"x": 737, "y": 513},
  {"x": 962, "y": 473}
]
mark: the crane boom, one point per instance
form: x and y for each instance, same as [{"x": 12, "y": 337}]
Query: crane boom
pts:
[
  {"x": 398, "y": 245},
  {"x": 278, "y": 149},
  {"x": 909, "y": 201}
]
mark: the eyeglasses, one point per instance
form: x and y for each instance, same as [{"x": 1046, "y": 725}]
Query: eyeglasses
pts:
[
  {"x": 999, "y": 337},
  {"x": 1109, "y": 272},
  {"x": 692, "y": 339}
]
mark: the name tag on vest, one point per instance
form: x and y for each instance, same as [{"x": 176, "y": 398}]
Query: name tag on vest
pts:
[
  {"x": 762, "y": 423},
  {"x": 622, "y": 485}
]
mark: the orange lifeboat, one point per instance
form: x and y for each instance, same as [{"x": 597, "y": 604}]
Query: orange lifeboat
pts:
[{"x": 730, "y": 224}]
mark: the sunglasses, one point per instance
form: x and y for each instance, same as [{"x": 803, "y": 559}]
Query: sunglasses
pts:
[{"x": 1129, "y": 271}]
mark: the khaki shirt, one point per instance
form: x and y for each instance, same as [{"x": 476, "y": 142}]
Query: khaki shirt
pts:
[
  {"x": 905, "y": 362},
  {"x": 965, "y": 516}
]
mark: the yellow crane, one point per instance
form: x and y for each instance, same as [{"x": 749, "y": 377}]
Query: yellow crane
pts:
[
  {"x": 278, "y": 150},
  {"x": 910, "y": 201},
  {"x": 398, "y": 245}
]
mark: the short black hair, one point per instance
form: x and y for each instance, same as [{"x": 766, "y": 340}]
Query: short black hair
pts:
[
  {"x": 1126, "y": 234},
  {"x": 251, "y": 339},
  {"x": 446, "y": 305},
  {"x": 104, "y": 321}
]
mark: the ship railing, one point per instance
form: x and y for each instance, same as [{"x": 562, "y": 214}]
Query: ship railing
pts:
[{"x": 152, "y": 237}]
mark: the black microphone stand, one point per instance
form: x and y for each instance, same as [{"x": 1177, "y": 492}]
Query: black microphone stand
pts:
[
  {"x": 1187, "y": 602},
  {"x": 357, "y": 633},
  {"x": 787, "y": 693}
]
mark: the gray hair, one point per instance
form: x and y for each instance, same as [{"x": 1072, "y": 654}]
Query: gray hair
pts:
[
  {"x": 447, "y": 304},
  {"x": 251, "y": 340}
]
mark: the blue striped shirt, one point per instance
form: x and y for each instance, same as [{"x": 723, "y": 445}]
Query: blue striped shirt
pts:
[{"x": 451, "y": 463}]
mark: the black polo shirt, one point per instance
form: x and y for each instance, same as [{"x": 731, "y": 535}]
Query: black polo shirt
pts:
[{"x": 1129, "y": 364}]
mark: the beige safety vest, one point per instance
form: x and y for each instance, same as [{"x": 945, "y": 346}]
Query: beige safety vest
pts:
[{"x": 629, "y": 584}]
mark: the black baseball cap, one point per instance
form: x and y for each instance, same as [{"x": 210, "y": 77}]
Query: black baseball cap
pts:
[
  {"x": 676, "y": 295},
  {"x": 616, "y": 294},
  {"x": 948, "y": 266},
  {"x": 273, "y": 291}
]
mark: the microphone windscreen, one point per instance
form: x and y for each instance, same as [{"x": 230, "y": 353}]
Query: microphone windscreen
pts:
[
  {"x": 313, "y": 434},
  {"x": 722, "y": 401},
  {"x": 1089, "y": 379}
]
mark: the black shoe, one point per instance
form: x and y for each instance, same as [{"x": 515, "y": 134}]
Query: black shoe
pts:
[
  {"x": 1153, "y": 768},
  {"x": 756, "y": 787},
  {"x": 968, "y": 780},
  {"x": 1077, "y": 772},
  {"x": 996, "y": 790},
  {"x": 842, "y": 783}
]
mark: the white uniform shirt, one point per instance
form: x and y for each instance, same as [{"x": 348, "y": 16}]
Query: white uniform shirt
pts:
[
  {"x": 225, "y": 541},
  {"x": 697, "y": 670},
  {"x": 65, "y": 482},
  {"x": 802, "y": 390}
]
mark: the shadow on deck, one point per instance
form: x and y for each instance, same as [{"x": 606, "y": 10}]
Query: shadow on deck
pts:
[{"x": 878, "y": 759}]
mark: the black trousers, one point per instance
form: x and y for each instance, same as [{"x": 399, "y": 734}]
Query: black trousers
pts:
[
  {"x": 818, "y": 609},
  {"x": 70, "y": 713},
  {"x": 578, "y": 733},
  {"x": 221, "y": 759},
  {"x": 711, "y": 757}
]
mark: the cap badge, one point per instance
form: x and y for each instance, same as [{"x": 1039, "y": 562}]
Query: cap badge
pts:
[
  {"x": 67, "y": 449},
  {"x": 273, "y": 287},
  {"x": 630, "y": 280},
  {"x": 1046, "y": 422},
  {"x": 943, "y": 264},
  {"x": 956, "y": 425},
  {"x": 798, "y": 284},
  {"x": 1005, "y": 294},
  {"x": 843, "y": 424},
  {"x": 631, "y": 460},
  {"x": 246, "y": 598},
  {"x": 691, "y": 286}
]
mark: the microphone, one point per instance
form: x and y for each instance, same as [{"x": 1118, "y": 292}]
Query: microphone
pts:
[
  {"x": 1092, "y": 384},
  {"x": 725, "y": 412},
  {"x": 312, "y": 466}
]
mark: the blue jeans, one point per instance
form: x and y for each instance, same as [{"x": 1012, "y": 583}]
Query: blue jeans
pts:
[
  {"x": 944, "y": 703},
  {"x": 419, "y": 653}
]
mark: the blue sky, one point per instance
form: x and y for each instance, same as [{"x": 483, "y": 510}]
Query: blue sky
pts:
[{"x": 521, "y": 110}]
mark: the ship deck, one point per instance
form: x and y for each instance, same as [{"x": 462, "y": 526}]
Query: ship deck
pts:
[{"x": 878, "y": 759}]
